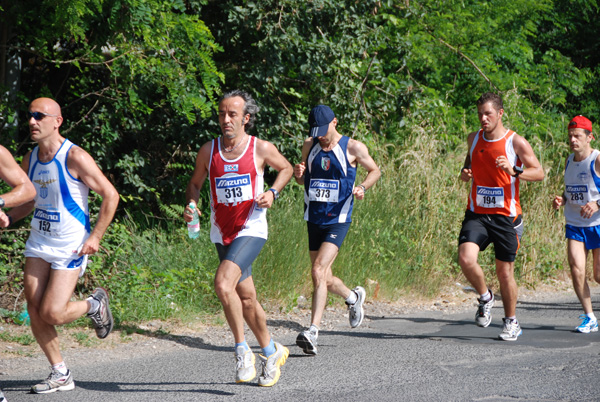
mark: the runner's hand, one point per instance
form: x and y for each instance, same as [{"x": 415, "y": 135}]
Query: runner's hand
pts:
[{"x": 299, "y": 170}]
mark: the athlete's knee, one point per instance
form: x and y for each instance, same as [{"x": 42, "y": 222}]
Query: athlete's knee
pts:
[
  {"x": 248, "y": 302},
  {"x": 467, "y": 260},
  {"x": 505, "y": 276},
  {"x": 318, "y": 273},
  {"x": 52, "y": 314},
  {"x": 223, "y": 289}
]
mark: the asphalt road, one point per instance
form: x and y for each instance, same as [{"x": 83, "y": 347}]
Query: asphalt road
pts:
[{"x": 425, "y": 356}]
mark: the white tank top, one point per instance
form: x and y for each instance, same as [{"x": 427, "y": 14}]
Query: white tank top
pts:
[
  {"x": 581, "y": 187},
  {"x": 61, "y": 215}
]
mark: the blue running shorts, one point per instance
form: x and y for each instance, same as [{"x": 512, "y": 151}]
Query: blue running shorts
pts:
[
  {"x": 242, "y": 252},
  {"x": 589, "y": 236},
  {"x": 319, "y": 234}
]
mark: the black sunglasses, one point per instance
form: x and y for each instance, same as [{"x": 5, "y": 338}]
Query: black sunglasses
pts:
[{"x": 40, "y": 115}]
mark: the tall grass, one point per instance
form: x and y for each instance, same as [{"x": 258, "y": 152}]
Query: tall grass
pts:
[{"x": 404, "y": 233}]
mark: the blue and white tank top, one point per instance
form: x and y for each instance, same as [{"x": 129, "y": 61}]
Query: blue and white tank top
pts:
[
  {"x": 581, "y": 187},
  {"x": 328, "y": 184},
  {"x": 61, "y": 215}
]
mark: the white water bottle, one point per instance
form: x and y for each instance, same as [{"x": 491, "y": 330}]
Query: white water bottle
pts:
[{"x": 194, "y": 225}]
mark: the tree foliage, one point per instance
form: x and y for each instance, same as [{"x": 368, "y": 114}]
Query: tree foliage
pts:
[{"x": 139, "y": 79}]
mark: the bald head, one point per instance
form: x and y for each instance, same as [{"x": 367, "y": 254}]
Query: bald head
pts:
[{"x": 45, "y": 105}]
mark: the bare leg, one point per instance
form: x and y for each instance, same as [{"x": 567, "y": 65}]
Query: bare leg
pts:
[
  {"x": 467, "y": 259},
  {"x": 48, "y": 292},
  {"x": 577, "y": 255},
  {"x": 254, "y": 315},
  {"x": 323, "y": 280},
  {"x": 508, "y": 286},
  {"x": 226, "y": 281}
]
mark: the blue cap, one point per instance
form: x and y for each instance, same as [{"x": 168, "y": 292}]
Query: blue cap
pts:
[{"x": 318, "y": 119}]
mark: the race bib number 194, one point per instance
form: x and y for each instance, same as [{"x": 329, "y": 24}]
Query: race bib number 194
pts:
[{"x": 490, "y": 197}]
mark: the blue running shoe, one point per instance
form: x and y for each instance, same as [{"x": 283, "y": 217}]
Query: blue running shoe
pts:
[{"x": 587, "y": 325}]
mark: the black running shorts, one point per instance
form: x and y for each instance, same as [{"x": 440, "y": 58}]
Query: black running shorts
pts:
[{"x": 504, "y": 232}]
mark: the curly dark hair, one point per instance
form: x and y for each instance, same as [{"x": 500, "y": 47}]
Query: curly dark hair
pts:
[{"x": 250, "y": 106}]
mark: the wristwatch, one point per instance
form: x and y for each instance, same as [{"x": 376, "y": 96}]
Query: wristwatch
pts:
[
  {"x": 2, "y": 202},
  {"x": 518, "y": 170},
  {"x": 598, "y": 203},
  {"x": 275, "y": 192}
]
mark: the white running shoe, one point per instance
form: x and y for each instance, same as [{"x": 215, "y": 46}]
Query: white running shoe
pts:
[
  {"x": 356, "y": 312},
  {"x": 271, "y": 366},
  {"x": 483, "y": 317},
  {"x": 308, "y": 342},
  {"x": 512, "y": 330},
  {"x": 55, "y": 382},
  {"x": 244, "y": 364}
]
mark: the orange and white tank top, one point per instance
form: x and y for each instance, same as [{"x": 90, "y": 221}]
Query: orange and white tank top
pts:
[{"x": 493, "y": 191}]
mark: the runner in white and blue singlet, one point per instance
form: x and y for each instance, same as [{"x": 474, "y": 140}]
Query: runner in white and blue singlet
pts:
[
  {"x": 61, "y": 237},
  {"x": 581, "y": 199}
]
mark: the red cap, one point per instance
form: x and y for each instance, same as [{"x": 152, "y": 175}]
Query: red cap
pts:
[{"x": 581, "y": 122}]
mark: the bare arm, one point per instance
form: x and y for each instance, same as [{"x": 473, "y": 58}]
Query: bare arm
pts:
[
  {"x": 268, "y": 154},
  {"x": 301, "y": 167},
  {"x": 21, "y": 211},
  {"x": 560, "y": 200},
  {"x": 22, "y": 191},
  {"x": 192, "y": 192},
  {"x": 466, "y": 173},
  {"x": 533, "y": 169},
  {"x": 360, "y": 152},
  {"x": 83, "y": 167}
]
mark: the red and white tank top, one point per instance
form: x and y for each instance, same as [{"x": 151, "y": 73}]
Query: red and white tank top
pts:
[
  {"x": 234, "y": 185},
  {"x": 493, "y": 191}
]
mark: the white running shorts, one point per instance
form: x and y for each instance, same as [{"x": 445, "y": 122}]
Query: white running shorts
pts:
[{"x": 59, "y": 258}]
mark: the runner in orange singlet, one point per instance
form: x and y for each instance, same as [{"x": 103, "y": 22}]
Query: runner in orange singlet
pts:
[{"x": 497, "y": 160}]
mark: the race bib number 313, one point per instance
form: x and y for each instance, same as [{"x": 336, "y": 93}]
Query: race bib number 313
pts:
[
  {"x": 324, "y": 190},
  {"x": 233, "y": 189},
  {"x": 490, "y": 197}
]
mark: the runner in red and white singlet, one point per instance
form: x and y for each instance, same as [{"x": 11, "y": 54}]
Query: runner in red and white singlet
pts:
[
  {"x": 234, "y": 164},
  {"x": 234, "y": 184}
]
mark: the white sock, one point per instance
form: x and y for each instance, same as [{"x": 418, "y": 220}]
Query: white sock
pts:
[
  {"x": 352, "y": 298},
  {"x": 314, "y": 329},
  {"x": 60, "y": 367},
  {"x": 592, "y": 316},
  {"x": 94, "y": 305},
  {"x": 486, "y": 297}
]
